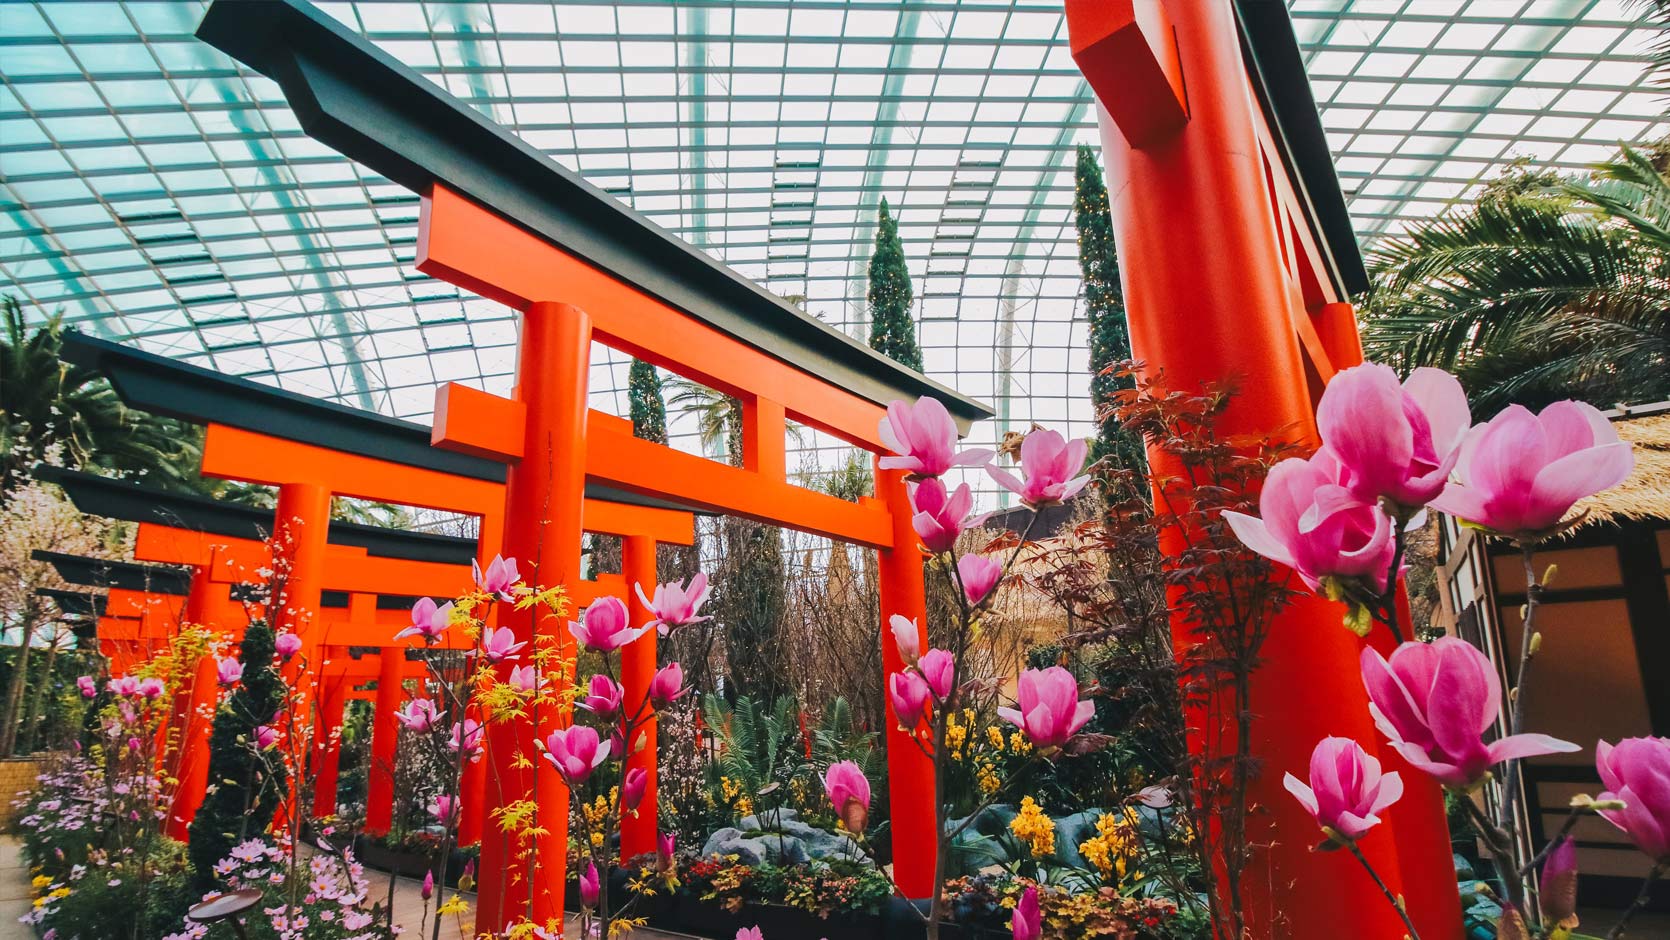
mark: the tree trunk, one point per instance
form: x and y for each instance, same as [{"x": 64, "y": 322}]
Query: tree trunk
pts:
[
  {"x": 20, "y": 679},
  {"x": 31, "y": 737}
]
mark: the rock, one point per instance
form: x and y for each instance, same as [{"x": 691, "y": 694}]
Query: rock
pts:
[{"x": 780, "y": 838}]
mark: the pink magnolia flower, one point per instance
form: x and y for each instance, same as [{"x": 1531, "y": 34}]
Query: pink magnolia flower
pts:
[
  {"x": 288, "y": 644},
  {"x": 1392, "y": 440},
  {"x": 428, "y": 620},
  {"x": 979, "y": 576},
  {"x": 576, "y": 751},
  {"x": 590, "y": 886},
  {"x": 1433, "y": 701},
  {"x": 1027, "y": 923},
  {"x": 675, "y": 604},
  {"x": 443, "y": 808},
  {"x": 909, "y": 694},
  {"x": 925, "y": 439},
  {"x": 419, "y": 715},
  {"x": 150, "y": 688},
  {"x": 907, "y": 637},
  {"x": 123, "y": 685},
  {"x": 466, "y": 734},
  {"x": 1346, "y": 789},
  {"x": 667, "y": 686},
  {"x": 1520, "y": 473},
  {"x": 749, "y": 933},
  {"x": 1557, "y": 884},
  {"x": 938, "y": 667},
  {"x": 499, "y": 645},
  {"x": 941, "y": 514},
  {"x": 604, "y": 627},
  {"x": 1315, "y": 526},
  {"x": 849, "y": 793},
  {"x": 665, "y": 845},
  {"x": 499, "y": 577},
  {"x": 526, "y": 678},
  {"x": 265, "y": 736},
  {"x": 1637, "y": 772},
  {"x": 89, "y": 688},
  {"x": 1050, "y": 711},
  {"x": 633, "y": 787},
  {"x": 427, "y": 891},
  {"x": 1051, "y": 464},
  {"x": 229, "y": 670},
  {"x": 604, "y": 696}
]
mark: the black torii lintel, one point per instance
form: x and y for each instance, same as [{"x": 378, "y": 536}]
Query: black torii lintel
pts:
[
  {"x": 359, "y": 100},
  {"x": 164, "y": 386},
  {"x": 134, "y": 502},
  {"x": 126, "y": 575}
]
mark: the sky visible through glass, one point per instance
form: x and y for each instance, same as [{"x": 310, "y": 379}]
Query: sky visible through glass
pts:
[{"x": 158, "y": 193}]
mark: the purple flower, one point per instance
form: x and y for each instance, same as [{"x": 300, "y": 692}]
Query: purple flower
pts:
[
  {"x": 925, "y": 439},
  {"x": 419, "y": 715},
  {"x": 499, "y": 577},
  {"x": 675, "y": 604},
  {"x": 1519, "y": 473},
  {"x": 576, "y": 751},
  {"x": 979, "y": 576},
  {"x": 1051, "y": 464},
  {"x": 603, "y": 696},
  {"x": 428, "y": 620},
  {"x": 604, "y": 627},
  {"x": 499, "y": 645},
  {"x": 1394, "y": 440},
  {"x": 1434, "y": 701},
  {"x": 1347, "y": 789},
  {"x": 1050, "y": 710}
]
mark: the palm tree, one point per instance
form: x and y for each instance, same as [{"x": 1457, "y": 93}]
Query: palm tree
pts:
[
  {"x": 1542, "y": 289},
  {"x": 51, "y": 410}
]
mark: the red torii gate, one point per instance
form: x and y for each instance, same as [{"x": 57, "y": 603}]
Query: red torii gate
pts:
[
  {"x": 1237, "y": 260},
  {"x": 580, "y": 267}
]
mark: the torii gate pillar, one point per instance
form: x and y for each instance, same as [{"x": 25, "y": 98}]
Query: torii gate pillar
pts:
[{"x": 1201, "y": 264}]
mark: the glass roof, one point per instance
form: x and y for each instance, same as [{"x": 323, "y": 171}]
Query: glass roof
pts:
[{"x": 156, "y": 192}]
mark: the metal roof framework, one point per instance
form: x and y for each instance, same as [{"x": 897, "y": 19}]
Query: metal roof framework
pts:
[{"x": 157, "y": 192}]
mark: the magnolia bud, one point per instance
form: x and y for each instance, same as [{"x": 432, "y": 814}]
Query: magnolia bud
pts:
[{"x": 855, "y": 816}]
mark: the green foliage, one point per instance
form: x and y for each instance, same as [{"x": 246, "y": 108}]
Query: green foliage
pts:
[
  {"x": 892, "y": 328},
  {"x": 838, "y": 737},
  {"x": 1104, "y": 306},
  {"x": 50, "y": 409},
  {"x": 750, "y": 596},
  {"x": 1540, "y": 290},
  {"x": 835, "y": 886},
  {"x": 648, "y": 409},
  {"x": 244, "y": 792},
  {"x": 759, "y": 744}
]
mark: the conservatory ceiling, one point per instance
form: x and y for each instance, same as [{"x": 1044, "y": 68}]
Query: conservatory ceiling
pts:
[{"x": 155, "y": 191}]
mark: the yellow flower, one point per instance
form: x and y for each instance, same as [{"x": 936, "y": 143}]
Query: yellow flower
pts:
[
  {"x": 1115, "y": 844},
  {"x": 994, "y": 734},
  {"x": 988, "y": 779},
  {"x": 1031, "y": 826}
]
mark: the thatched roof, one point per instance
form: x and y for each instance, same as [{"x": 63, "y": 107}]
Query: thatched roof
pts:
[{"x": 1646, "y": 494}]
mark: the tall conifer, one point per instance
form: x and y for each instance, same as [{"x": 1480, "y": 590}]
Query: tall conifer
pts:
[
  {"x": 1104, "y": 304},
  {"x": 892, "y": 328}
]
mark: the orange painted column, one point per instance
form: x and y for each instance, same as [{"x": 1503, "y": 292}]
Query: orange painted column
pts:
[
  {"x": 544, "y": 493},
  {"x": 1202, "y": 274},
  {"x": 910, "y": 773},
  {"x": 385, "y": 739},
  {"x": 301, "y": 523},
  {"x": 198, "y": 718},
  {"x": 328, "y": 735},
  {"x": 637, "y": 668}
]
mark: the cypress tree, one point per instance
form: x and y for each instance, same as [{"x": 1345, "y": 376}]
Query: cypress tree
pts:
[
  {"x": 1104, "y": 304},
  {"x": 242, "y": 793},
  {"x": 892, "y": 329},
  {"x": 643, "y": 396}
]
